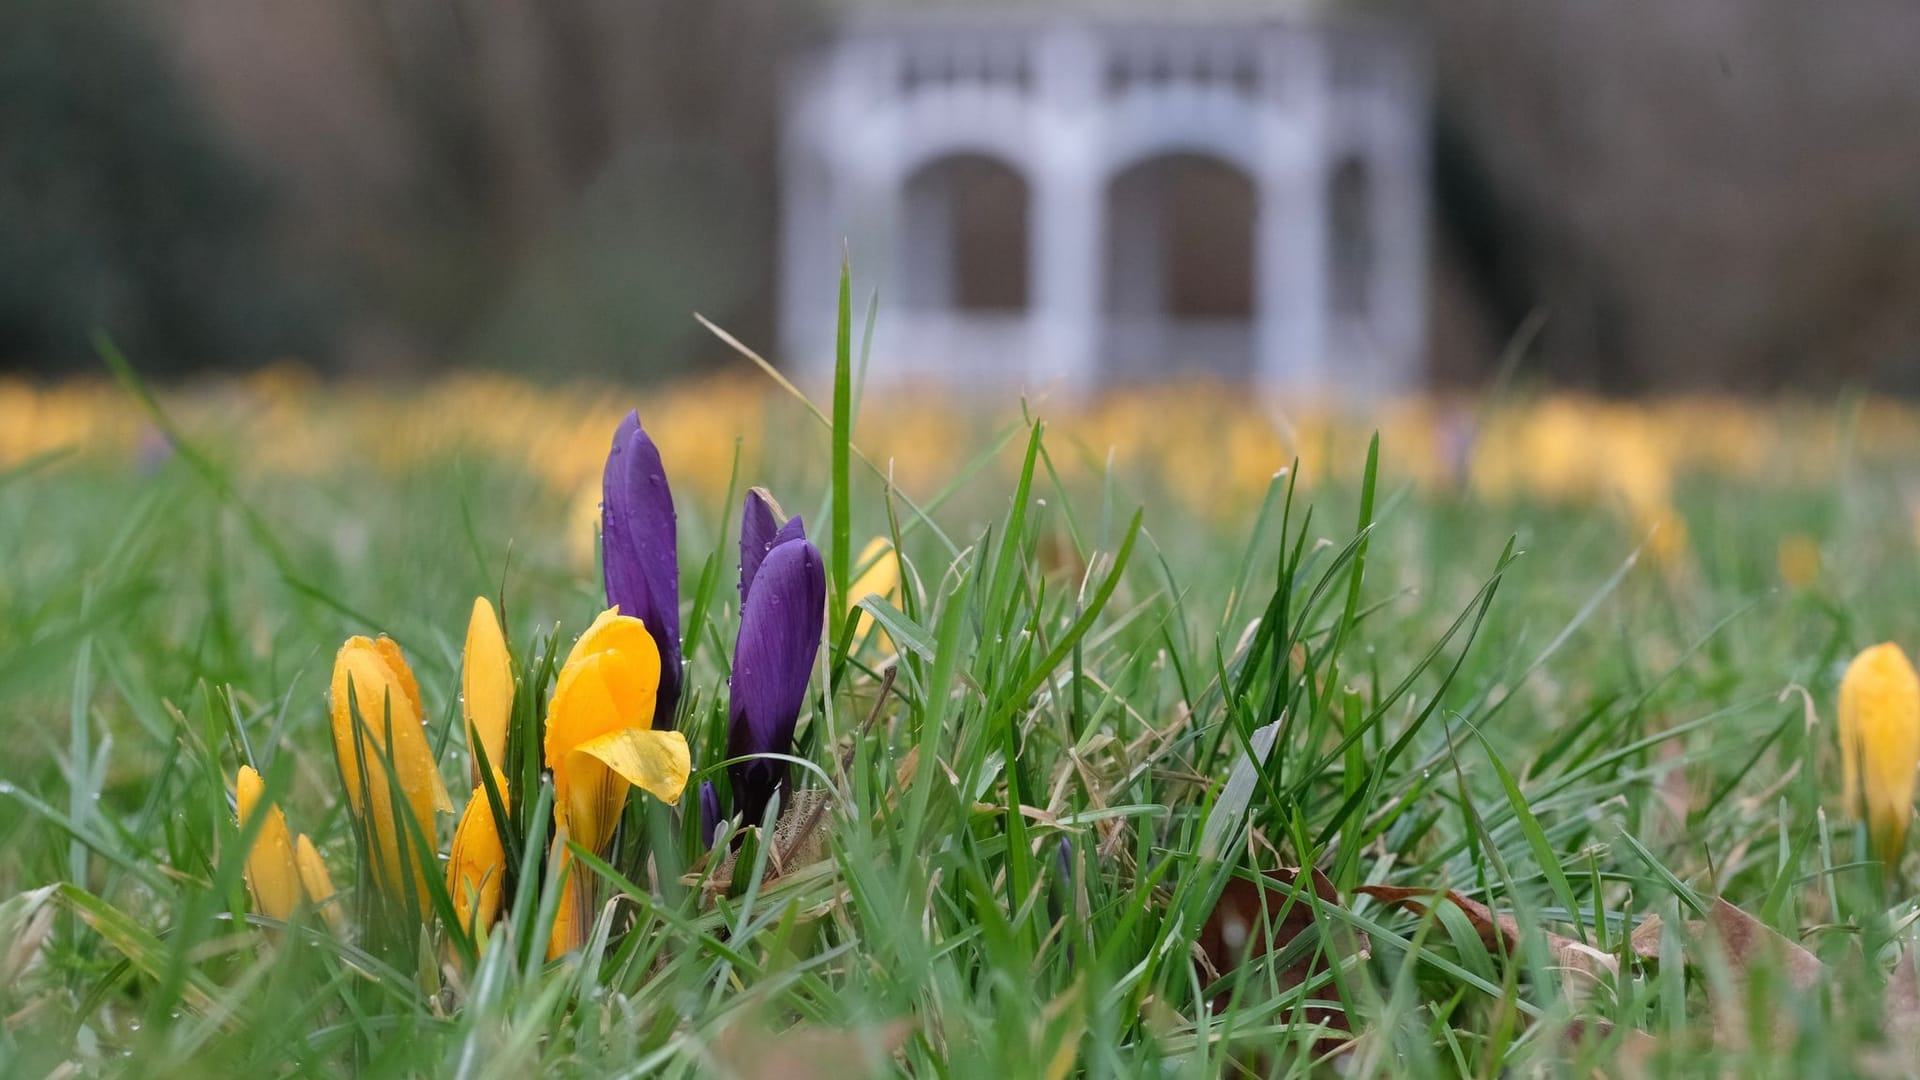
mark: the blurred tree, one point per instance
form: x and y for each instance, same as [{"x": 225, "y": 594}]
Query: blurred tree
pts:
[
  {"x": 120, "y": 209},
  {"x": 547, "y": 185},
  {"x": 1714, "y": 194}
]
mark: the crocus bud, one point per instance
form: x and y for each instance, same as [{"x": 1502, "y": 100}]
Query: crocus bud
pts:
[
  {"x": 315, "y": 881},
  {"x": 272, "y": 876},
  {"x": 1880, "y": 744},
  {"x": 780, "y": 620},
  {"x": 710, "y": 813},
  {"x": 639, "y": 552},
  {"x": 477, "y": 864},
  {"x": 372, "y": 673},
  {"x": 486, "y": 688},
  {"x": 600, "y": 741}
]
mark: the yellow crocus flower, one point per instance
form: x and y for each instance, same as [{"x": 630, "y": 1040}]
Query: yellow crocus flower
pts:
[
  {"x": 477, "y": 864},
  {"x": 384, "y": 687},
  {"x": 486, "y": 687},
  {"x": 271, "y": 875},
  {"x": 601, "y": 740},
  {"x": 1880, "y": 744}
]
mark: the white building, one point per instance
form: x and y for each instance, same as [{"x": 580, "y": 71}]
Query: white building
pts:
[{"x": 1058, "y": 201}]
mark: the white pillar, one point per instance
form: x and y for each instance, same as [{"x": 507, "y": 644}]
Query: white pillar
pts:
[
  {"x": 1068, "y": 188},
  {"x": 808, "y": 241},
  {"x": 1290, "y": 256},
  {"x": 1401, "y": 236},
  {"x": 837, "y": 196}
]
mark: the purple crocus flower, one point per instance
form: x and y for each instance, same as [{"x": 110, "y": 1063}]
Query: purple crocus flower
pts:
[
  {"x": 783, "y": 586},
  {"x": 640, "y": 554}
]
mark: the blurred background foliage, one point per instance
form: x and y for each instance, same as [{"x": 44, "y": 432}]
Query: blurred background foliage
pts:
[
  {"x": 124, "y": 205},
  {"x": 1714, "y": 195}
]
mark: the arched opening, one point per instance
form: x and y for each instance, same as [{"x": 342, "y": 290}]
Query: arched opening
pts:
[
  {"x": 1350, "y": 241},
  {"x": 963, "y": 247},
  {"x": 1180, "y": 269}
]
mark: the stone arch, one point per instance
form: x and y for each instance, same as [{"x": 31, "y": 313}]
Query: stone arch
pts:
[
  {"x": 1180, "y": 292},
  {"x": 933, "y": 125},
  {"x": 1205, "y": 122}
]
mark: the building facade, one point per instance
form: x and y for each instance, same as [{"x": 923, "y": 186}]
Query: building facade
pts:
[{"x": 1052, "y": 201}]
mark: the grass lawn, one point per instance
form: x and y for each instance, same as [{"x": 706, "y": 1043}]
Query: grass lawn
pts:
[{"x": 1055, "y": 797}]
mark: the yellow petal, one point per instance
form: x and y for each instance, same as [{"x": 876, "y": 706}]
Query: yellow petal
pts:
[
  {"x": 477, "y": 865},
  {"x": 610, "y": 631},
  {"x": 656, "y": 762},
  {"x": 881, "y": 575},
  {"x": 486, "y": 687},
  {"x": 570, "y": 917},
  {"x": 270, "y": 872},
  {"x": 373, "y": 673},
  {"x": 1880, "y": 743},
  {"x": 315, "y": 881},
  {"x": 880, "y": 578},
  {"x": 587, "y": 802},
  {"x": 609, "y": 681},
  {"x": 388, "y": 650}
]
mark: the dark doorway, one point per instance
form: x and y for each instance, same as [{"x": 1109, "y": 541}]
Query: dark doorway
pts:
[
  {"x": 1350, "y": 241},
  {"x": 1180, "y": 269},
  {"x": 964, "y": 244}
]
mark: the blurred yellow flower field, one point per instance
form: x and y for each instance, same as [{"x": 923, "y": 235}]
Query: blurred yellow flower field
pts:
[{"x": 1216, "y": 446}]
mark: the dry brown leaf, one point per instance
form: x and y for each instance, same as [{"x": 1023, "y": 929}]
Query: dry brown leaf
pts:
[
  {"x": 1645, "y": 940},
  {"x": 1742, "y": 937},
  {"x": 806, "y": 1052},
  {"x": 1581, "y": 964},
  {"x": 1252, "y": 920},
  {"x": 1745, "y": 937},
  {"x": 1744, "y": 942}
]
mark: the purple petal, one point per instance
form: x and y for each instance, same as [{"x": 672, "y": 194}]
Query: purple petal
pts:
[
  {"x": 761, "y": 532},
  {"x": 780, "y": 623},
  {"x": 794, "y": 529},
  {"x": 639, "y": 551},
  {"x": 709, "y": 813}
]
